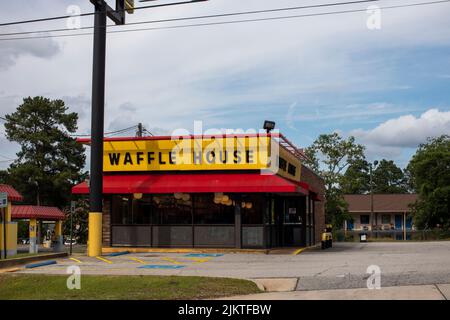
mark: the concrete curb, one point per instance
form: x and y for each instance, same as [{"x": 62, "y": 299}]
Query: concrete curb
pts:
[{"x": 19, "y": 261}]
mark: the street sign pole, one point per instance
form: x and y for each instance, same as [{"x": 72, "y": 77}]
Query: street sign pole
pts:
[
  {"x": 72, "y": 211},
  {"x": 3, "y": 205}
]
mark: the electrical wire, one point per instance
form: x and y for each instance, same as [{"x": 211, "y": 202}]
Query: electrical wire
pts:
[
  {"x": 236, "y": 21},
  {"x": 200, "y": 17},
  {"x": 93, "y": 13}
]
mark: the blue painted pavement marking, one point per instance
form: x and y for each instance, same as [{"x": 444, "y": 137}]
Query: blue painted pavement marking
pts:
[
  {"x": 159, "y": 266},
  {"x": 204, "y": 255},
  {"x": 40, "y": 264}
]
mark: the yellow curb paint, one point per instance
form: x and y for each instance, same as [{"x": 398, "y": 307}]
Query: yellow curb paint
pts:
[
  {"x": 104, "y": 260},
  {"x": 76, "y": 260},
  {"x": 138, "y": 260},
  {"x": 296, "y": 252},
  {"x": 171, "y": 260},
  {"x": 199, "y": 260}
]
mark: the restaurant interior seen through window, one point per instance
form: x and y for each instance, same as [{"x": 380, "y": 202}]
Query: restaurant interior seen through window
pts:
[{"x": 185, "y": 209}]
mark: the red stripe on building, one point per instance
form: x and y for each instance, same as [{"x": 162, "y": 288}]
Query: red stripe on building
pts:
[{"x": 194, "y": 183}]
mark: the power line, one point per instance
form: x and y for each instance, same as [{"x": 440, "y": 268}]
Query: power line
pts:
[
  {"x": 93, "y": 13},
  {"x": 236, "y": 21},
  {"x": 107, "y": 133},
  {"x": 203, "y": 17}
]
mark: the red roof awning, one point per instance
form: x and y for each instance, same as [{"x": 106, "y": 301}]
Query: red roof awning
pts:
[
  {"x": 13, "y": 194},
  {"x": 36, "y": 212},
  {"x": 194, "y": 183}
]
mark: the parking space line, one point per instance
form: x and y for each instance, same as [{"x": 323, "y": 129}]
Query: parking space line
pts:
[
  {"x": 138, "y": 260},
  {"x": 296, "y": 252},
  {"x": 171, "y": 260},
  {"x": 199, "y": 260},
  {"x": 76, "y": 260},
  {"x": 104, "y": 260}
]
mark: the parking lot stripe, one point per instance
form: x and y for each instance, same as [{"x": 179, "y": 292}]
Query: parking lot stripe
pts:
[
  {"x": 199, "y": 260},
  {"x": 171, "y": 260},
  {"x": 138, "y": 260},
  {"x": 296, "y": 252},
  {"x": 104, "y": 260},
  {"x": 76, "y": 260}
]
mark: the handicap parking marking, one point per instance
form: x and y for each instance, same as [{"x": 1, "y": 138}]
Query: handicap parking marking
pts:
[
  {"x": 204, "y": 255},
  {"x": 104, "y": 260}
]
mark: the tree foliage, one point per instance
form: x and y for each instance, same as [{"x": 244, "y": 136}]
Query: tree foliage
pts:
[
  {"x": 330, "y": 155},
  {"x": 49, "y": 161},
  {"x": 356, "y": 180},
  {"x": 430, "y": 175},
  {"x": 388, "y": 178}
]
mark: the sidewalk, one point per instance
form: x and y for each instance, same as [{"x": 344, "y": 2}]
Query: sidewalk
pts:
[{"x": 422, "y": 292}]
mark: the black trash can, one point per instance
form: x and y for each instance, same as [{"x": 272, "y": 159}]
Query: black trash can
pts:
[{"x": 363, "y": 237}]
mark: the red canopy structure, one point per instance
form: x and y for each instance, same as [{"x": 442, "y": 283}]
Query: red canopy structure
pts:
[
  {"x": 37, "y": 212},
  {"x": 195, "y": 183},
  {"x": 13, "y": 194}
]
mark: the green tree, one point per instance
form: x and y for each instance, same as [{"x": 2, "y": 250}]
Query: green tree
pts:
[
  {"x": 356, "y": 180},
  {"x": 388, "y": 178},
  {"x": 49, "y": 161},
  {"x": 331, "y": 155},
  {"x": 430, "y": 174},
  {"x": 80, "y": 221}
]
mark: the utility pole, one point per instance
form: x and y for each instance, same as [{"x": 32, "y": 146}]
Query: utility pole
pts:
[
  {"x": 140, "y": 131},
  {"x": 102, "y": 11},
  {"x": 371, "y": 194}
]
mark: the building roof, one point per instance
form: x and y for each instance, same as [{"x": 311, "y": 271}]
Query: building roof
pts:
[
  {"x": 37, "y": 212},
  {"x": 381, "y": 202},
  {"x": 13, "y": 194}
]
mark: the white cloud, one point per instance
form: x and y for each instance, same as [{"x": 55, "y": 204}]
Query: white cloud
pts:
[{"x": 406, "y": 131}]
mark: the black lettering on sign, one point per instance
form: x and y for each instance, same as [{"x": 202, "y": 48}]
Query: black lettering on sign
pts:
[
  {"x": 128, "y": 159},
  {"x": 249, "y": 156},
  {"x": 114, "y": 159},
  {"x": 171, "y": 158},
  {"x": 139, "y": 157},
  {"x": 160, "y": 158},
  {"x": 237, "y": 157},
  {"x": 223, "y": 156},
  {"x": 150, "y": 156},
  {"x": 210, "y": 155},
  {"x": 197, "y": 157}
]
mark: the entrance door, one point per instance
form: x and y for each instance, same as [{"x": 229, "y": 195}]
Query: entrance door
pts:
[
  {"x": 294, "y": 227},
  {"x": 398, "y": 221}
]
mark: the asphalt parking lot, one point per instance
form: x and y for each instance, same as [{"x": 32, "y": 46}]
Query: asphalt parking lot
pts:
[{"x": 343, "y": 266}]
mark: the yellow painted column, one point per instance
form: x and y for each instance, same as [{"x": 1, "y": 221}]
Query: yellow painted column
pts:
[
  {"x": 11, "y": 234},
  {"x": 33, "y": 232},
  {"x": 95, "y": 234},
  {"x": 58, "y": 236}
]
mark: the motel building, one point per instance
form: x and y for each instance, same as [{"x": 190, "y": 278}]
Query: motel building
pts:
[{"x": 223, "y": 191}]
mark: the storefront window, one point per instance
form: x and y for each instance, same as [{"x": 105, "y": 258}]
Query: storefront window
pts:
[
  {"x": 157, "y": 209},
  {"x": 208, "y": 212},
  {"x": 171, "y": 210},
  {"x": 252, "y": 210}
]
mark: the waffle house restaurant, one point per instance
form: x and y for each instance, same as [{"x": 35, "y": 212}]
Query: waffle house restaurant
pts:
[{"x": 240, "y": 191}]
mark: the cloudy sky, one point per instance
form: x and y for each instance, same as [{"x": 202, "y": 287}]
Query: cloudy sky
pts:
[{"x": 388, "y": 87}]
